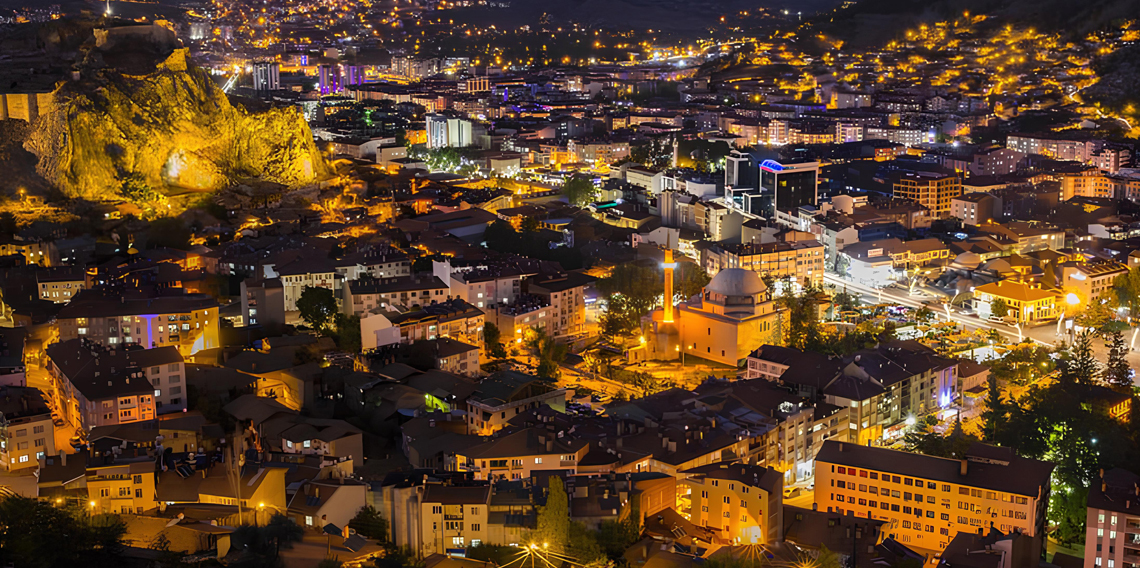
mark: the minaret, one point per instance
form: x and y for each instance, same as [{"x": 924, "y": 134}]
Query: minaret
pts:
[{"x": 668, "y": 265}]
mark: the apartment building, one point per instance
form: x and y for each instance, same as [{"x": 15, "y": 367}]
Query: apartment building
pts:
[
  {"x": 928, "y": 500},
  {"x": 529, "y": 312},
  {"x": 1056, "y": 147},
  {"x": 880, "y": 388},
  {"x": 1089, "y": 280},
  {"x": 59, "y": 285},
  {"x": 362, "y": 295},
  {"x": 485, "y": 285},
  {"x": 975, "y": 208},
  {"x": 121, "y": 486},
  {"x": 566, "y": 293},
  {"x": 743, "y": 501},
  {"x": 520, "y": 454},
  {"x": 308, "y": 272},
  {"x": 97, "y": 385},
  {"x": 798, "y": 261},
  {"x": 933, "y": 190},
  {"x": 26, "y": 430},
  {"x": 116, "y": 317},
  {"x": 375, "y": 263},
  {"x": 454, "y": 318},
  {"x": 1027, "y": 237},
  {"x": 165, "y": 369},
  {"x": 1112, "y": 527},
  {"x": 506, "y": 394}
]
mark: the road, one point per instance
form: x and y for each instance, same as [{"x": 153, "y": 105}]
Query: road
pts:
[{"x": 1043, "y": 334}]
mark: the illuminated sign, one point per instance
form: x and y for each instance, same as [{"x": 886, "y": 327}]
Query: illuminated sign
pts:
[
  {"x": 668, "y": 265},
  {"x": 772, "y": 166}
]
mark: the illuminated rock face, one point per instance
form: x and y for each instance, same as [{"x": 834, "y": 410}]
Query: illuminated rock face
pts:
[{"x": 172, "y": 128}]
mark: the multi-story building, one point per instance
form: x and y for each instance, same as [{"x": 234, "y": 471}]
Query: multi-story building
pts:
[
  {"x": 114, "y": 317},
  {"x": 1057, "y": 147},
  {"x": 519, "y": 454},
  {"x": 566, "y": 293},
  {"x": 1112, "y": 527},
  {"x": 881, "y": 388},
  {"x": 307, "y": 273},
  {"x": 799, "y": 261},
  {"x": 975, "y": 208},
  {"x": 365, "y": 294},
  {"x": 166, "y": 371},
  {"x": 506, "y": 394},
  {"x": 743, "y": 501},
  {"x": 26, "y": 430},
  {"x": 121, "y": 486},
  {"x": 1089, "y": 280},
  {"x": 928, "y": 500},
  {"x": 97, "y": 385},
  {"x": 529, "y": 312},
  {"x": 933, "y": 190},
  {"x": 449, "y": 131},
  {"x": 60, "y": 284},
  {"x": 455, "y": 319},
  {"x": 485, "y": 284}
]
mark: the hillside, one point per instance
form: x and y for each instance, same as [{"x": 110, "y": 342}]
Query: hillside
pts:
[{"x": 874, "y": 22}]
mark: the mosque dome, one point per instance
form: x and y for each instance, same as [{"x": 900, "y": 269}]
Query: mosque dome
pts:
[{"x": 736, "y": 282}]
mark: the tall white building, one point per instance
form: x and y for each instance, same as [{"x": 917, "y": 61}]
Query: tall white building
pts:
[
  {"x": 448, "y": 131},
  {"x": 266, "y": 76}
]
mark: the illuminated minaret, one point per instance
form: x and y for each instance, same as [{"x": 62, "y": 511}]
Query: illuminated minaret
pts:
[{"x": 668, "y": 265}]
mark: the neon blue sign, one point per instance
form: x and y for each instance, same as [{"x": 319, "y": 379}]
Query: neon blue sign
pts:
[{"x": 772, "y": 166}]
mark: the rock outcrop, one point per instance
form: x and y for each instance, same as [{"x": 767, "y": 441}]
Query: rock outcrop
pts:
[{"x": 171, "y": 128}]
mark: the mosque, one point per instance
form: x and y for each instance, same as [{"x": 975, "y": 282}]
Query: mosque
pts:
[{"x": 733, "y": 316}]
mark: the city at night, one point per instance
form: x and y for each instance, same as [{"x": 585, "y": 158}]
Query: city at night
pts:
[{"x": 569, "y": 284}]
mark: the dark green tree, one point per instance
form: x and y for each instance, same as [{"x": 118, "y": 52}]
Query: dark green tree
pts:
[
  {"x": 689, "y": 280},
  {"x": 1078, "y": 365},
  {"x": 579, "y": 191},
  {"x": 803, "y": 330},
  {"x": 170, "y": 232},
  {"x": 347, "y": 335},
  {"x": 493, "y": 342},
  {"x": 552, "y": 528},
  {"x": 549, "y": 353},
  {"x": 1117, "y": 371},
  {"x": 36, "y": 534},
  {"x": 1127, "y": 289},
  {"x": 529, "y": 225},
  {"x": 615, "y": 537},
  {"x": 317, "y": 307},
  {"x": 632, "y": 290},
  {"x": 993, "y": 417},
  {"x": 369, "y": 523}
]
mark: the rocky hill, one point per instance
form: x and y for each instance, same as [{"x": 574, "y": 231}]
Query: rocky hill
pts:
[{"x": 172, "y": 128}]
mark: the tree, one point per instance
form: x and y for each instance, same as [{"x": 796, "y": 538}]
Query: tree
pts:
[
  {"x": 994, "y": 415},
  {"x": 169, "y": 232},
  {"x": 233, "y": 466},
  {"x": 38, "y": 534},
  {"x": 317, "y": 307},
  {"x": 802, "y": 312},
  {"x": 690, "y": 280},
  {"x": 1096, "y": 315},
  {"x": 369, "y": 523},
  {"x": 999, "y": 308},
  {"x": 552, "y": 528},
  {"x": 615, "y": 537},
  {"x": 1117, "y": 372},
  {"x": 923, "y": 314},
  {"x": 264, "y": 543},
  {"x": 529, "y": 225},
  {"x": 579, "y": 191},
  {"x": 1127, "y": 289},
  {"x": 1078, "y": 365},
  {"x": 549, "y": 354},
  {"x": 281, "y": 531},
  {"x": 347, "y": 335},
  {"x": 492, "y": 341},
  {"x": 632, "y": 290}
]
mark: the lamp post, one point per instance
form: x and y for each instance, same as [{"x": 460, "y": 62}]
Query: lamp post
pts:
[{"x": 1072, "y": 300}]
